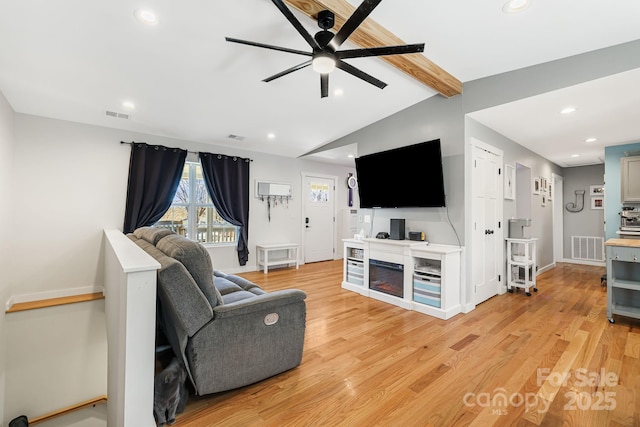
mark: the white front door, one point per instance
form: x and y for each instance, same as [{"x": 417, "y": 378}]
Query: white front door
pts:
[
  {"x": 319, "y": 218},
  {"x": 487, "y": 228}
]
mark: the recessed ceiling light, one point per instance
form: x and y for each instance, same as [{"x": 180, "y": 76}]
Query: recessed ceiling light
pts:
[
  {"x": 575, "y": 155},
  {"x": 351, "y": 156},
  {"x": 515, "y": 6},
  {"x": 591, "y": 140},
  {"x": 271, "y": 135},
  {"x": 567, "y": 110},
  {"x": 128, "y": 105},
  {"x": 338, "y": 92},
  {"x": 146, "y": 16}
]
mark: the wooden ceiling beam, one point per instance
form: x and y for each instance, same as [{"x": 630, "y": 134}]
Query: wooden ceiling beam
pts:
[{"x": 371, "y": 34}]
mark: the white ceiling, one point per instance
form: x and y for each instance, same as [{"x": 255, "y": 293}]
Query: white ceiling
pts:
[{"x": 76, "y": 59}]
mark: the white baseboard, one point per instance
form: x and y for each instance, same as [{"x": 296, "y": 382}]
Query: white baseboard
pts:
[{"x": 583, "y": 262}]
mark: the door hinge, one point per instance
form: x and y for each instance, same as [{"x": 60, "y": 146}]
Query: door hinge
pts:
[
  {"x": 499, "y": 278},
  {"x": 499, "y": 171},
  {"x": 499, "y": 224}
]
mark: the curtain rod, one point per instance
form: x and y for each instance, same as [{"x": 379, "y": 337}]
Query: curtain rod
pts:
[{"x": 191, "y": 152}]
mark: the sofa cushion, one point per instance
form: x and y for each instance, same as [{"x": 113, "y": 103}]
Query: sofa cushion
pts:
[
  {"x": 196, "y": 259},
  {"x": 225, "y": 286},
  {"x": 245, "y": 284},
  {"x": 237, "y": 296},
  {"x": 151, "y": 234}
]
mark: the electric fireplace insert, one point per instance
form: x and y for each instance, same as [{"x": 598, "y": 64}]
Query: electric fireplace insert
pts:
[{"x": 386, "y": 277}]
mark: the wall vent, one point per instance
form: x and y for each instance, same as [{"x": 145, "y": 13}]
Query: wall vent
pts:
[
  {"x": 587, "y": 248},
  {"x": 236, "y": 137},
  {"x": 117, "y": 115}
]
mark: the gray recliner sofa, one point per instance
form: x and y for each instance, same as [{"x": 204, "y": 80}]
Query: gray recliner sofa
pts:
[{"x": 229, "y": 332}]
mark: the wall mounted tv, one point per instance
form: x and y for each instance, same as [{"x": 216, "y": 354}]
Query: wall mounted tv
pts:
[{"x": 403, "y": 177}]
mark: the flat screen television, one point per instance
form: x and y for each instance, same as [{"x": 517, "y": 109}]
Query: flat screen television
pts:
[{"x": 403, "y": 177}]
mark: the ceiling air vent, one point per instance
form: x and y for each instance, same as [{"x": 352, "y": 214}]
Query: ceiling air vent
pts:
[
  {"x": 236, "y": 137},
  {"x": 117, "y": 115}
]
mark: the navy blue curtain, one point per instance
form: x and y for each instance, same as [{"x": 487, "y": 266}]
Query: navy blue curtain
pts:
[
  {"x": 227, "y": 181},
  {"x": 154, "y": 175}
]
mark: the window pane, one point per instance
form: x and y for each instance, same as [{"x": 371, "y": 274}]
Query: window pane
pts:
[
  {"x": 182, "y": 194},
  {"x": 202, "y": 195},
  {"x": 212, "y": 228},
  {"x": 175, "y": 219},
  {"x": 192, "y": 213}
]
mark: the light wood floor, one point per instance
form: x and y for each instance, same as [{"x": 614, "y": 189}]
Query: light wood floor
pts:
[{"x": 368, "y": 363}]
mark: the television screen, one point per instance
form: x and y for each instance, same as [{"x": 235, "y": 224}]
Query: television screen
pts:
[{"x": 403, "y": 177}]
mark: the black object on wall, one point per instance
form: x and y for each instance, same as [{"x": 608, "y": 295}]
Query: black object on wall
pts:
[
  {"x": 227, "y": 181},
  {"x": 397, "y": 229},
  {"x": 154, "y": 175},
  {"x": 410, "y": 176}
]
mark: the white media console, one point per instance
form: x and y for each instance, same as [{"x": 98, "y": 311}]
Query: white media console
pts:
[{"x": 427, "y": 275}]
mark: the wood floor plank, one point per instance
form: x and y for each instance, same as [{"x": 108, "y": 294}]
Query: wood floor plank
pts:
[{"x": 369, "y": 363}]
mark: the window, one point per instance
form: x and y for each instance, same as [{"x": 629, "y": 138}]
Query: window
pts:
[{"x": 192, "y": 213}]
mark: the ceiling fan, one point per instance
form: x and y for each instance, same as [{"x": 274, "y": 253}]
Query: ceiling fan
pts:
[{"x": 325, "y": 56}]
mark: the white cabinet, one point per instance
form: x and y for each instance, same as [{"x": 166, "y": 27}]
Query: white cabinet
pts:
[
  {"x": 353, "y": 269},
  {"x": 436, "y": 280},
  {"x": 521, "y": 264},
  {"x": 630, "y": 179},
  {"x": 623, "y": 278},
  {"x": 430, "y": 278}
]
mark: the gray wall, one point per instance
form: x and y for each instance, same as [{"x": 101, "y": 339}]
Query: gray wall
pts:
[
  {"x": 541, "y": 216},
  {"x": 437, "y": 117},
  {"x": 588, "y": 222}
]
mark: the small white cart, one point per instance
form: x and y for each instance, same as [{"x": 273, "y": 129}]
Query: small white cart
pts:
[{"x": 521, "y": 264}]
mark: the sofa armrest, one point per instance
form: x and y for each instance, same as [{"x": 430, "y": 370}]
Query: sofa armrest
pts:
[{"x": 266, "y": 301}]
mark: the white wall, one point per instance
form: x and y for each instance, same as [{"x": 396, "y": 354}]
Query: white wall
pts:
[
  {"x": 6, "y": 210},
  {"x": 73, "y": 181}
]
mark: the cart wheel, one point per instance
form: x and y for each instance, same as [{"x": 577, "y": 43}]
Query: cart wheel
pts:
[
  {"x": 528, "y": 294},
  {"x": 535, "y": 289},
  {"x": 611, "y": 320},
  {"x": 510, "y": 290}
]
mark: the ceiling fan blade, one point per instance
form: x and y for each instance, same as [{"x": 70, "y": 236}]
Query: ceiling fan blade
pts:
[
  {"x": 324, "y": 85},
  {"x": 360, "y": 74},
  {"x": 268, "y": 46},
  {"x": 380, "y": 51},
  {"x": 354, "y": 21},
  {"x": 287, "y": 71},
  {"x": 294, "y": 21}
]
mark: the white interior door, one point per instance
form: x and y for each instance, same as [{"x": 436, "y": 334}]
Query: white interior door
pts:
[
  {"x": 319, "y": 218},
  {"x": 487, "y": 229}
]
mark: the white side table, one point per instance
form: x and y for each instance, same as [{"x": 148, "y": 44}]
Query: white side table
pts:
[
  {"x": 521, "y": 256},
  {"x": 264, "y": 260}
]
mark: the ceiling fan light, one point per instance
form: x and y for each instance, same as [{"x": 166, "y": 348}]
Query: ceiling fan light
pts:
[{"x": 323, "y": 64}]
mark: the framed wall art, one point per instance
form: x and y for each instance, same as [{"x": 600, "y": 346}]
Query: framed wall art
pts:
[
  {"x": 597, "y": 203},
  {"x": 536, "y": 185}
]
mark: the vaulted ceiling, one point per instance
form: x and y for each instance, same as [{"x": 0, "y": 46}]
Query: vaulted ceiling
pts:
[{"x": 75, "y": 60}]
